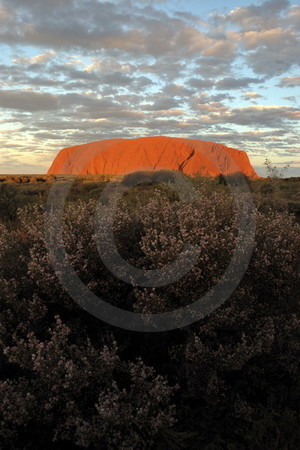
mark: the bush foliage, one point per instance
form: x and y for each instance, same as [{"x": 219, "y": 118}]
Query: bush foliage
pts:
[{"x": 69, "y": 380}]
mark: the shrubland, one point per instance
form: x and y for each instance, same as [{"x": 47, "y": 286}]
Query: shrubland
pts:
[{"x": 230, "y": 380}]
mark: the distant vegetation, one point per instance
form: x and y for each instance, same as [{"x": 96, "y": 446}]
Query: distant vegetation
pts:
[
  {"x": 70, "y": 381},
  {"x": 34, "y": 189}
]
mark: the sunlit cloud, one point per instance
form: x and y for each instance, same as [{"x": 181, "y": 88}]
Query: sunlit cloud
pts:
[{"x": 73, "y": 72}]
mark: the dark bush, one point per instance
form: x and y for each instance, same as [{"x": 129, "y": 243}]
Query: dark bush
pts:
[
  {"x": 10, "y": 201},
  {"x": 69, "y": 380},
  {"x": 150, "y": 177},
  {"x": 267, "y": 188}
]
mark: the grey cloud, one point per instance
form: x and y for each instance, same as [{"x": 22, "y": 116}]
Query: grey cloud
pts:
[
  {"x": 120, "y": 80},
  {"x": 169, "y": 68},
  {"x": 41, "y": 81},
  {"x": 96, "y": 26},
  {"x": 213, "y": 67},
  {"x": 161, "y": 103},
  {"x": 191, "y": 18},
  {"x": 236, "y": 82},
  {"x": 28, "y": 100},
  {"x": 220, "y": 97},
  {"x": 201, "y": 83},
  {"x": 177, "y": 90},
  {"x": 285, "y": 163},
  {"x": 69, "y": 77},
  {"x": 262, "y": 116},
  {"x": 69, "y": 105},
  {"x": 100, "y": 25},
  {"x": 289, "y": 82},
  {"x": 206, "y": 106},
  {"x": 49, "y": 136},
  {"x": 268, "y": 35},
  {"x": 293, "y": 17},
  {"x": 290, "y": 98},
  {"x": 226, "y": 83},
  {"x": 259, "y": 16},
  {"x": 19, "y": 75},
  {"x": 255, "y": 143},
  {"x": 274, "y": 58},
  {"x": 82, "y": 85}
]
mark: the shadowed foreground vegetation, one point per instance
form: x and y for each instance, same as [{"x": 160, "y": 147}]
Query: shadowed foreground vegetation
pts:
[{"x": 71, "y": 381}]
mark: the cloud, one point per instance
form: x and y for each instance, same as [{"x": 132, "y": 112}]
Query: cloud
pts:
[
  {"x": 272, "y": 52},
  {"x": 160, "y": 103},
  {"x": 290, "y": 98},
  {"x": 265, "y": 15},
  {"x": 90, "y": 70},
  {"x": 236, "y": 83},
  {"x": 95, "y": 26},
  {"x": 269, "y": 115},
  {"x": 38, "y": 59},
  {"x": 223, "y": 48},
  {"x": 293, "y": 17},
  {"x": 201, "y": 83},
  {"x": 213, "y": 67},
  {"x": 139, "y": 29},
  {"x": 289, "y": 82},
  {"x": 274, "y": 37},
  {"x": 28, "y": 100},
  {"x": 267, "y": 35},
  {"x": 178, "y": 90},
  {"x": 191, "y": 18},
  {"x": 252, "y": 95}
]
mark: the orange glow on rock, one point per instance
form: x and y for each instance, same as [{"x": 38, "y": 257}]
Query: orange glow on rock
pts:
[{"x": 121, "y": 156}]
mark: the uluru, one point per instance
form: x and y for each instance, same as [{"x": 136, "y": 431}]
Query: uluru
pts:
[{"x": 122, "y": 156}]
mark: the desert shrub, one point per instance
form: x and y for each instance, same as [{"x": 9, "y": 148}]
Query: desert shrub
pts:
[
  {"x": 67, "y": 379},
  {"x": 267, "y": 188},
  {"x": 92, "y": 185},
  {"x": 81, "y": 394},
  {"x": 10, "y": 201},
  {"x": 209, "y": 224},
  {"x": 273, "y": 268},
  {"x": 239, "y": 379},
  {"x": 165, "y": 176},
  {"x": 153, "y": 236},
  {"x": 221, "y": 179},
  {"x": 140, "y": 177},
  {"x": 241, "y": 368},
  {"x": 85, "y": 191},
  {"x": 151, "y": 177},
  {"x": 234, "y": 179}
]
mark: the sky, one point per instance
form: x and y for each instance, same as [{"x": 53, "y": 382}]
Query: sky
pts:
[{"x": 77, "y": 71}]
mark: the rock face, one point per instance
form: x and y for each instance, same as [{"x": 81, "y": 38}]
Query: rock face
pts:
[{"x": 121, "y": 156}]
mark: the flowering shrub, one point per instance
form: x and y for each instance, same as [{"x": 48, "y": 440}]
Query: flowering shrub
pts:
[
  {"x": 85, "y": 394},
  {"x": 10, "y": 201},
  {"x": 273, "y": 270},
  {"x": 69, "y": 379}
]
